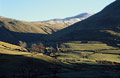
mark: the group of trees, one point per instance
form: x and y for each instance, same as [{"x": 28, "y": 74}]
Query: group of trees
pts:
[
  {"x": 38, "y": 48},
  {"x": 34, "y": 47}
]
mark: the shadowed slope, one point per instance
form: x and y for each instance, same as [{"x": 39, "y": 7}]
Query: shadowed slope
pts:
[
  {"x": 15, "y": 63},
  {"x": 14, "y": 37},
  {"x": 24, "y": 66}
]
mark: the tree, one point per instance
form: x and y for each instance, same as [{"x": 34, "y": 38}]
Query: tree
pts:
[
  {"x": 62, "y": 46},
  {"x": 53, "y": 50},
  {"x": 34, "y": 48},
  {"x": 41, "y": 48},
  {"x": 22, "y": 44},
  {"x": 38, "y": 48},
  {"x": 57, "y": 48}
]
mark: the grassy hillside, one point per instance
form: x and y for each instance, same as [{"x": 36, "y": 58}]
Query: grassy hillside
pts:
[
  {"x": 20, "y": 26},
  {"x": 11, "y": 49},
  {"x": 8, "y": 46},
  {"x": 54, "y": 26},
  {"x": 14, "y": 63},
  {"x": 14, "y": 30}
]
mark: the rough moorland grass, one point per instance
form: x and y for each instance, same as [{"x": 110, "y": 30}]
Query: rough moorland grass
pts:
[
  {"x": 27, "y": 54},
  {"x": 6, "y": 48},
  {"x": 10, "y": 46}
]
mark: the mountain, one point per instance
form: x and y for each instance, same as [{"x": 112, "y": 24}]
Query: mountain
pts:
[
  {"x": 58, "y": 24},
  {"x": 73, "y": 19},
  {"x": 103, "y": 26},
  {"x": 12, "y": 30}
]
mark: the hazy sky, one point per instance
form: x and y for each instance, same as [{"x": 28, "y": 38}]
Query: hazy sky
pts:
[{"x": 38, "y": 10}]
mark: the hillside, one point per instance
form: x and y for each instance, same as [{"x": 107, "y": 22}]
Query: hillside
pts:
[
  {"x": 12, "y": 30},
  {"x": 7, "y": 46},
  {"x": 14, "y": 63},
  {"x": 103, "y": 26}
]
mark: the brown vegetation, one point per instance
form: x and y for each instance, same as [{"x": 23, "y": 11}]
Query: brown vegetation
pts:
[
  {"x": 38, "y": 48},
  {"x": 22, "y": 44}
]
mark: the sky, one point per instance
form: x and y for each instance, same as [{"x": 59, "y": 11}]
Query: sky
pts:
[{"x": 40, "y": 10}]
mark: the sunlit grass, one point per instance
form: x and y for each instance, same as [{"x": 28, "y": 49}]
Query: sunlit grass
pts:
[
  {"x": 10, "y": 46},
  {"x": 10, "y": 49},
  {"x": 79, "y": 46},
  {"x": 107, "y": 57},
  {"x": 92, "y": 52}
]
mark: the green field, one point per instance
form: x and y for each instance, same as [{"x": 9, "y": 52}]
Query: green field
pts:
[
  {"x": 81, "y": 46},
  {"x": 84, "y": 57},
  {"x": 80, "y": 52}
]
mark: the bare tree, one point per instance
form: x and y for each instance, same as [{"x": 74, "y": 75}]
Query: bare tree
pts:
[
  {"x": 22, "y": 44},
  {"x": 34, "y": 48},
  {"x": 41, "y": 48}
]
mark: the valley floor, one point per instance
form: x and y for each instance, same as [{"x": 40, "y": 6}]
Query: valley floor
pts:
[{"x": 77, "y": 61}]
